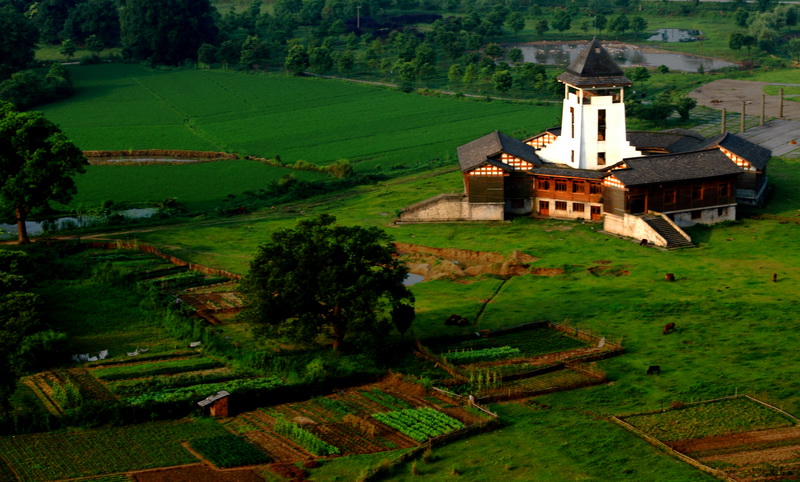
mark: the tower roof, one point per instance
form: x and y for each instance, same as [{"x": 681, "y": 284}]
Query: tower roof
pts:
[{"x": 594, "y": 67}]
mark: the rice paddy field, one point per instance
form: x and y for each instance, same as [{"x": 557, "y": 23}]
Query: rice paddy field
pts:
[{"x": 121, "y": 106}]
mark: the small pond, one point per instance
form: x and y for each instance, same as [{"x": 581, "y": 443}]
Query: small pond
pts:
[
  {"x": 675, "y": 35},
  {"x": 626, "y": 55},
  {"x": 413, "y": 279},
  {"x": 36, "y": 228}
]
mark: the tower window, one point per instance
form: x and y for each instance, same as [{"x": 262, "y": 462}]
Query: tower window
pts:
[
  {"x": 601, "y": 125},
  {"x": 601, "y": 158},
  {"x": 572, "y": 121}
]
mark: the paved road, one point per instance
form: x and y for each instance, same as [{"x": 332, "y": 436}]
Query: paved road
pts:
[{"x": 777, "y": 134}]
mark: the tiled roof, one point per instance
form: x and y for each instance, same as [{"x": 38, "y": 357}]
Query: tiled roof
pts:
[
  {"x": 568, "y": 172},
  {"x": 594, "y": 67},
  {"x": 676, "y": 167},
  {"x": 477, "y": 152},
  {"x": 754, "y": 154},
  {"x": 677, "y": 140}
]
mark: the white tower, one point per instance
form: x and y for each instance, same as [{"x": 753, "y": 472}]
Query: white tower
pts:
[{"x": 593, "y": 132}]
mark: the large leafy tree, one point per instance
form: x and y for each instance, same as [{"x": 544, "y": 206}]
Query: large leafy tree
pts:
[
  {"x": 166, "y": 31},
  {"x": 37, "y": 162},
  {"x": 324, "y": 279},
  {"x": 18, "y": 39}
]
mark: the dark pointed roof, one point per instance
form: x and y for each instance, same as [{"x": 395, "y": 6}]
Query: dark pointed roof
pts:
[
  {"x": 594, "y": 67},
  {"x": 477, "y": 152},
  {"x": 753, "y": 153},
  {"x": 682, "y": 166}
]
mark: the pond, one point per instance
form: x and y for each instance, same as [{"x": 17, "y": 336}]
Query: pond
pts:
[
  {"x": 675, "y": 35},
  {"x": 412, "y": 279},
  {"x": 36, "y": 228},
  {"x": 626, "y": 55}
]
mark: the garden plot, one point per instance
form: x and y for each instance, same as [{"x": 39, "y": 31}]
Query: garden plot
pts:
[
  {"x": 740, "y": 436},
  {"x": 216, "y": 304},
  {"x": 386, "y": 416},
  {"x": 528, "y": 360}
]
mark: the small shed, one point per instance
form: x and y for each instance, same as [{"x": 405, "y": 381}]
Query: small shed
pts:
[{"x": 217, "y": 404}]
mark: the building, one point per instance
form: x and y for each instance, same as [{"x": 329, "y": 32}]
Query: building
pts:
[{"x": 645, "y": 185}]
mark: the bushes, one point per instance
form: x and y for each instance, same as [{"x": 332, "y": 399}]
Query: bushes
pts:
[
  {"x": 126, "y": 372},
  {"x": 473, "y": 356},
  {"x": 229, "y": 451}
]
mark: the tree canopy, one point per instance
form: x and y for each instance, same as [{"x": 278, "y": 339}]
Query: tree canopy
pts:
[
  {"x": 18, "y": 39},
  {"x": 37, "y": 162},
  {"x": 166, "y": 31},
  {"x": 324, "y": 279}
]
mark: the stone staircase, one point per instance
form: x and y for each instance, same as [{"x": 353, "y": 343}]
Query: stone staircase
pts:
[{"x": 668, "y": 232}]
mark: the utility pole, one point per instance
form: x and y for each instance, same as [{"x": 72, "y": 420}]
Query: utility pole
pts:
[{"x": 358, "y": 16}]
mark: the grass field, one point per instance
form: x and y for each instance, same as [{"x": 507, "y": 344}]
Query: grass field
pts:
[{"x": 120, "y": 106}]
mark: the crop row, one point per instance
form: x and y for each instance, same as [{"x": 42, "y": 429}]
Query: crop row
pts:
[
  {"x": 142, "y": 370},
  {"x": 709, "y": 419},
  {"x": 205, "y": 389},
  {"x": 306, "y": 439},
  {"x": 420, "y": 424},
  {"x": 71, "y": 454},
  {"x": 485, "y": 354},
  {"x": 382, "y": 398},
  {"x": 229, "y": 451},
  {"x": 132, "y": 388},
  {"x": 530, "y": 342}
]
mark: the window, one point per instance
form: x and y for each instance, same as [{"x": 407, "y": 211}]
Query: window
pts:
[
  {"x": 601, "y": 125},
  {"x": 724, "y": 190},
  {"x": 561, "y": 205},
  {"x": 722, "y": 211},
  {"x": 543, "y": 184},
  {"x": 595, "y": 188},
  {"x": 601, "y": 158},
  {"x": 697, "y": 193},
  {"x": 697, "y": 214},
  {"x": 572, "y": 157},
  {"x": 577, "y": 207},
  {"x": 561, "y": 186},
  {"x": 669, "y": 197},
  {"x": 572, "y": 121},
  {"x": 577, "y": 186}
]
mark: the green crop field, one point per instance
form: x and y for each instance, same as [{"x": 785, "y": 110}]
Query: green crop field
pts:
[
  {"x": 81, "y": 453},
  {"x": 120, "y": 106}
]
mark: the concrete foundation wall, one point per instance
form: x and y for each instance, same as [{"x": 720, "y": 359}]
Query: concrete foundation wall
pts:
[
  {"x": 632, "y": 227},
  {"x": 452, "y": 207},
  {"x": 707, "y": 216}
]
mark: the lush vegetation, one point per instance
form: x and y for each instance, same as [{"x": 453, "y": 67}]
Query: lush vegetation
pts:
[
  {"x": 81, "y": 453},
  {"x": 306, "y": 439},
  {"x": 722, "y": 417},
  {"x": 169, "y": 367},
  {"x": 484, "y": 354},
  {"x": 229, "y": 451},
  {"x": 419, "y": 423}
]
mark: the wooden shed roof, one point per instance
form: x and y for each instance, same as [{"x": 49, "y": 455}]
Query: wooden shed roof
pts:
[
  {"x": 213, "y": 398},
  {"x": 477, "y": 152},
  {"x": 684, "y": 166}
]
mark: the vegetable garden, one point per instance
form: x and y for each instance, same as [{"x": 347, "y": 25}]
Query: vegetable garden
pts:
[
  {"x": 741, "y": 436},
  {"x": 390, "y": 415}
]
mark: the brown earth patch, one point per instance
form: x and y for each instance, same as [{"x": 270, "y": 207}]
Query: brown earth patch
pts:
[
  {"x": 446, "y": 263},
  {"x": 607, "y": 271},
  {"x": 547, "y": 271},
  {"x": 790, "y": 453},
  {"x": 197, "y": 473},
  {"x": 743, "y": 439}
]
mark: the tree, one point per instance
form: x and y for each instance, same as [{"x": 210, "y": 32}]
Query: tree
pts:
[
  {"x": 455, "y": 74},
  {"x": 794, "y": 48},
  {"x": 407, "y": 72},
  {"x": 67, "y": 48},
  {"x": 516, "y": 22},
  {"x": 206, "y": 55},
  {"x": 321, "y": 59},
  {"x": 493, "y": 50},
  {"x": 563, "y": 21},
  {"x": 503, "y": 81},
  {"x": 254, "y": 52},
  {"x": 638, "y": 24},
  {"x": 541, "y": 27},
  {"x": 639, "y": 74},
  {"x": 37, "y": 163},
  {"x": 325, "y": 279},
  {"x": 600, "y": 22},
  {"x": 18, "y": 39},
  {"x": 736, "y": 41},
  {"x": 297, "y": 60},
  {"x": 662, "y": 69},
  {"x": 470, "y": 74},
  {"x": 620, "y": 24},
  {"x": 515, "y": 55},
  {"x": 166, "y": 31},
  {"x": 344, "y": 61},
  {"x": 741, "y": 17},
  {"x": 95, "y": 45}
]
